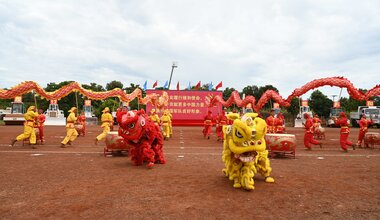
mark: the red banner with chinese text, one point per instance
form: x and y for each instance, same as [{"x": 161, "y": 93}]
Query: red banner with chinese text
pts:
[{"x": 187, "y": 107}]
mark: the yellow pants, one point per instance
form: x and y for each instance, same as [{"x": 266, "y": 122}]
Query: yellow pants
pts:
[
  {"x": 103, "y": 135},
  {"x": 171, "y": 129},
  {"x": 166, "y": 129},
  {"x": 28, "y": 133},
  {"x": 71, "y": 135}
]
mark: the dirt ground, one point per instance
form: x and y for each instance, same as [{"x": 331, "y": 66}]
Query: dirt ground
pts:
[{"x": 78, "y": 182}]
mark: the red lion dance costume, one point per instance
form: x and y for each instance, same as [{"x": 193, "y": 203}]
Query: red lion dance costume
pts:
[{"x": 143, "y": 135}]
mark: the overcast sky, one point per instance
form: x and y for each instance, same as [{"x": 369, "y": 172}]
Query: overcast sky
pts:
[{"x": 245, "y": 42}]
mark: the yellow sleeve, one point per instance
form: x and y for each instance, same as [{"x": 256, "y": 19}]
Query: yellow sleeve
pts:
[{"x": 71, "y": 117}]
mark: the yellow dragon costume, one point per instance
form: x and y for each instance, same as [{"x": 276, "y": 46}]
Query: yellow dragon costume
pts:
[{"x": 244, "y": 150}]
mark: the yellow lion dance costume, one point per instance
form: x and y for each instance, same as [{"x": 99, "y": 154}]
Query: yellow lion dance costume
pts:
[{"x": 244, "y": 150}]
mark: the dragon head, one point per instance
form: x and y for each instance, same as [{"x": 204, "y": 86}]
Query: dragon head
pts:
[{"x": 245, "y": 137}]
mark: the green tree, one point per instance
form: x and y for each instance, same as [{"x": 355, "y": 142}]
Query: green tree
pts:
[
  {"x": 320, "y": 104},
  {"x": 294, "y": 107},
  {"x": 110, "y": 103},
  {"x": 114, "y": 84},
  {"x": 350, "y": 104},
  {"x": 250, "y": 90}
]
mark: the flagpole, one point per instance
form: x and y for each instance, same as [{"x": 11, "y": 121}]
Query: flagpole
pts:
[{"x": 171, "y": 74}]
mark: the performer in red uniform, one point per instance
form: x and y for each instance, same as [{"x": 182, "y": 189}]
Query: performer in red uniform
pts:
[
  {"x": 271, "y": 122},
  {"x": 280, "y": 126},
  {"x": 40, "y": 124},
  {"x": 308, "y": 139},
  {"x": 363, "y": 123},
  {"x": 316, "y": 125},
  {"x": 316, "y": 121},
  {"x": 82, "y": 121},
  {"x": 220, "y": 121},
  {"x": 344, "y": 131},
  {"x": 207, "y": 125}
]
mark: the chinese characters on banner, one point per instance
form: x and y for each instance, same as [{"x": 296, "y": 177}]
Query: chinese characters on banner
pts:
[{"x": 187, "y": 107}]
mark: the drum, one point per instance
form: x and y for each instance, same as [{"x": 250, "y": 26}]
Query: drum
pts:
[
  {"x": 79, "y": 128},
  {"x": 319, "y": 133},
  {"x": 114, "y": 143},
  {"x": 281, "y": 143},
  {"x": 371, "y": 138}
]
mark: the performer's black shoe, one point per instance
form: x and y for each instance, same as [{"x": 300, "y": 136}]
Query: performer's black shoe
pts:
[
  {"x": 69, "y": 142},
  {"x": 63, "y": 145},
  {"x": 13, "y": 142},
  {"x": 320, "y": 145},
  {"x": 96, "y": 141},
  {"x": 208, "y": 137}
]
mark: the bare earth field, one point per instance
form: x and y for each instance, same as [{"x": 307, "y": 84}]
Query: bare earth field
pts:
[{"x": 78, "y": 182}]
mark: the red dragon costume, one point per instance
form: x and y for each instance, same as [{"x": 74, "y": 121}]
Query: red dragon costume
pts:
[{"x": 144, "y": 137}]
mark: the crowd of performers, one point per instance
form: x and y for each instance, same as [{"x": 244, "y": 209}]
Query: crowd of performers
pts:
[
  {"x": 76, "y": 125},
  {"x": 314, "y": 132},
  {"x": 34, "y": 123}
]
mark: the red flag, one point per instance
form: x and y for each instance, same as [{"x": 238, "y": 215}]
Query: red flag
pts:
[
  {"x": 155, "y": 84},
  {"x": 198, "y": 85},
  {"x": 178, "y": 85},
  {"x": 219, "y": 85}
]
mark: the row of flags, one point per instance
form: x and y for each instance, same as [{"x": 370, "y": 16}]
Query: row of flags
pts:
[{"x": 197, "y": 86}]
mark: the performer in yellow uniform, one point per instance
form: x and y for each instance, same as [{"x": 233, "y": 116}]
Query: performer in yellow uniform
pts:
[
  {"x": 71, "y": 132},
  {"x": 165, "y": 119},
  {"x": 154, "y": 117},
  {"x": 107, "y": 121},
  {"x": 170, "y": 123},
  {"x": 30, "y": 117}
]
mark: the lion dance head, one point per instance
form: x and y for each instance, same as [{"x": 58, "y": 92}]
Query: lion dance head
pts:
[
  {"x": 244, "y": 150},
  {"x": 143, "y": 135}
]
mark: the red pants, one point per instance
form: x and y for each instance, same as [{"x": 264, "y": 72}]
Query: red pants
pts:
[
  {"x": 219, "y": 131},
  {"x": 207, "y": 130},
  {"x": 308, "y": 140},
  {"x": 343, "y": 141},
  {"x": 361, "y": 136},
  {"x": 41, "y": 130}
]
